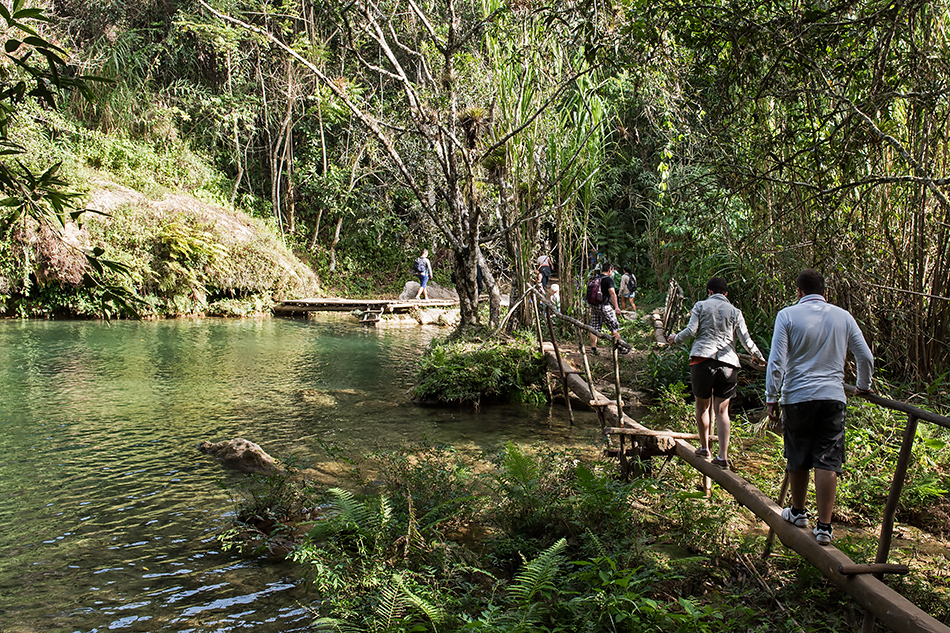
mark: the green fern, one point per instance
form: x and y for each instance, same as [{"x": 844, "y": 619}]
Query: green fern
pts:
[
  {"x": 390, "y": 607},
  {"x": 411, "y": 598},
  {"x": 598, "y": 544},
  {"x": 538, "y": 575},
  {"x": 519, "y": 467},
  {"x": 348, "y": 514}
]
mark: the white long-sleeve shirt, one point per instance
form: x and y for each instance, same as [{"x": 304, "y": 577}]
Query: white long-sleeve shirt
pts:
[
  {"x": 810, "y": 343},
  {"x": 716, "y": 324}
]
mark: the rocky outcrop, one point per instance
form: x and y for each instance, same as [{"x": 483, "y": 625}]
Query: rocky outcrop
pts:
[
  {"x": 433, "y": 290},
  {"x": 241, "y": 455}
]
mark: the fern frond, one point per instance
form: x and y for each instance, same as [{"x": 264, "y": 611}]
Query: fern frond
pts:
[
  {"x": 538, "y": 574},
  {"x": 391, "y": 604},
  {"x": 431, "y": 611},
  {"x": 518, "y": 466},
  {"x": 349, "y": 513},
  {"x": 327, "y": 625},
  {"x": 598, "y": 544}
]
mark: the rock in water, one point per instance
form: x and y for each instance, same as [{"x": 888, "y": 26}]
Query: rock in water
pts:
[{"x": 241, "y": 455}]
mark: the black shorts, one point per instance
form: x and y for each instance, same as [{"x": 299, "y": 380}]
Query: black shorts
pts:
[
  {"x": 814, "y": 434},
  {"x": 713, "y": 377}
]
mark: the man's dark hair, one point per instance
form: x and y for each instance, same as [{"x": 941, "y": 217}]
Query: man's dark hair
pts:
[
  {"x": 811, "y": 282},
  {"x": 608, "y": 267},
  {"x": 717, "y": 285},
  {"x": 627, "y": 270}
]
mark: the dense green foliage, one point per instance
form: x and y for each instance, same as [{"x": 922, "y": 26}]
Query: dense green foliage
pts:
[
  {"x": 745, "y": 139},
  {"x": 476, "y": 373},
  {"x": 545, "y": 540}
]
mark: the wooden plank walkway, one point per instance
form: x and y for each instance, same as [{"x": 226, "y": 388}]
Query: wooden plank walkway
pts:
[{"x": 290, "y": 307}]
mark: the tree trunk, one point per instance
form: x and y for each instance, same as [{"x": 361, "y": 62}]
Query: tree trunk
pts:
[
  {"x": 336, "y": 240},
  {"x": 494, "y": 293}
]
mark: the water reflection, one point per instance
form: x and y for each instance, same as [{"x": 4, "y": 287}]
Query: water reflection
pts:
[{"x": 110, "y": 512}]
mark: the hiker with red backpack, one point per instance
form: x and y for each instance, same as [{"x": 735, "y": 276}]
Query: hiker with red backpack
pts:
[{"x": 602, "y": 298}]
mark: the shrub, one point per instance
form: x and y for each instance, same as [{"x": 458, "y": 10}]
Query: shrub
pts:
[{"x": 476, "y": 373}]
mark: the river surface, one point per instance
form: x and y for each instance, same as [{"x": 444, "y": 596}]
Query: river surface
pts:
[{"x": 109, "y": 514}]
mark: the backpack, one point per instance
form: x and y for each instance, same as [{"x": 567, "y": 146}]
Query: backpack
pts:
[
  {"x": 595, "y": 291},
  {"x": 419, "y": 266},
  {"x": 630, "y": 283}
]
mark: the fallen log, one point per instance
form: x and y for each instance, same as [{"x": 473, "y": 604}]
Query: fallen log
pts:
[
  {"x": 890, "y": 607},
  {"x": 659, "y": 332}
]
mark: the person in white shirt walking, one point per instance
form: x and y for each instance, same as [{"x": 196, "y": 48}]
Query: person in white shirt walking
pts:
[
  {"x": 713, "y": 363},
  {"x": 545, "y": 270},
  {"x": 810, "y": 343}
]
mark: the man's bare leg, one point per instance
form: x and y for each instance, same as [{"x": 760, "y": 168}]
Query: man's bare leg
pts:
[
  {"x": 798, "y": 483},
  {"x": 826, "y": 487}
]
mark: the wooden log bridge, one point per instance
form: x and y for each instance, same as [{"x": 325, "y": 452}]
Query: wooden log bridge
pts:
[
  {"x": 299, "y": 307},
  {"x": 859, "y": 581}
]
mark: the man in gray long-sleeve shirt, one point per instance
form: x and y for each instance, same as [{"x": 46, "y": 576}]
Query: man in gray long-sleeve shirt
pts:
[
  {"x": 713, "y": 363},
  {"x": 810, "y": 343}
]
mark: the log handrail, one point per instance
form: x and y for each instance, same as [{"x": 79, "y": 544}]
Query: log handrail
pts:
[{"x": 886, "y": 604}]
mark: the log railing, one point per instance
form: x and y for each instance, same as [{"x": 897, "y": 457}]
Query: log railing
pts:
[
  {"x": 914, "y": 414},
  {"x": 863, "y": 582}
]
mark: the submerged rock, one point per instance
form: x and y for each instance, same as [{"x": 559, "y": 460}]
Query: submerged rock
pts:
[{"x": 241, "y": 455}]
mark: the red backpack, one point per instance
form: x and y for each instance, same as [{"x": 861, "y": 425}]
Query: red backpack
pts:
[{"x": 595, "y": 291}]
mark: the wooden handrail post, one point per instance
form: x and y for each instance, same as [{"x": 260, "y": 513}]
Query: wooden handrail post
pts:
[
  {"x": 560, "y": 367},
  {"x": 588, "y": 375},
  {"x": 617, "y": 383},
  {"x": 782, "y": 493},
  {"x": 537, "y": 322},
  {"x": 890, "y": 508}
]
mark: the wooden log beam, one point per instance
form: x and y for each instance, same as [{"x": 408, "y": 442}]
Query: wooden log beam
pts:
[
  {"x": 890, "y": 607},
  {"x": 623, "y": 430},
  {"x": 554, "y": 311},
  {"x": 909, "y": 409},
  {"x": 876, "y": 568},
  {"x": 920, "y": 414}
]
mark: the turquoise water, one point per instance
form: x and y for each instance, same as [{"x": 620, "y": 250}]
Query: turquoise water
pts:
[{"x": 109, "y": 512}]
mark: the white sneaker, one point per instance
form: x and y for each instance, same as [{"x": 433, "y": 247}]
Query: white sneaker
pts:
[
  {"x": 801, "y": 520},
  {"x": 824, "y": 535}
]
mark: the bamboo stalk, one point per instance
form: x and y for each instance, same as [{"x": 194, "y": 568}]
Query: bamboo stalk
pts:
[{"x": 537, "y": 322}]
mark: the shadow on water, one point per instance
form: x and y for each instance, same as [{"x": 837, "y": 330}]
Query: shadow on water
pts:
[{"x": 110, "y": 512}]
